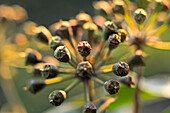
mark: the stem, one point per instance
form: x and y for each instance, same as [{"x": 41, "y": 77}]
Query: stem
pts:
[
  {"x": 72, "y": 49},
  {"x": 98, "y": 80},
  {"x": 137, "y": 91},
  {"x": 72, "y": 85},
  {"x": 100, "y": 50},
  {"x": 67, "y": 71},
  {"x": 75, "y": 50},
  {"x": 73, "y": 63},
  {"x": 106, "y": 57},
  {"x": 91, "y": 89},
  {"x": 84, "y": 59},
  {"x": 105, "y": 111},
  {"x": 86, "y": 90}
]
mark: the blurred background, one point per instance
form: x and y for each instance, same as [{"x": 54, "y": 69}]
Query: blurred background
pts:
[
  {"x": 46, "y": 13},
  {"x": 155, "y": 94}
]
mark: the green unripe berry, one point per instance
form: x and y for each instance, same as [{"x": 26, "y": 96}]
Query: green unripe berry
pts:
[
  {"x": 84, "y": 69},
  {"x": 123, "y": 34},
  {"x": 112, "y": 86},
  {"x": 57, "y": 97},
  {"x": 118, "y": 9},
  {"x": 35, "y": 86},
  {"x": 62, "y": 54},
  {"x": 89, "y": 107},
  {"x": 127, "y": 81},
  {"x": 140, "y": 15},
  {"x": 84, "y": 48},
  {"x": 55, "y": 42},
  {"x": 32, "y": 57},
  {"x": 120, "y": 69},
  {"x": 113, "y": 41},
  {"x": 63, "y": 30},
  {"x": 42, "y": 37},
  {"x": 109, "y": 28},
  {"x": 137, "y": 60},
  {"x": 49, "y": 71}
]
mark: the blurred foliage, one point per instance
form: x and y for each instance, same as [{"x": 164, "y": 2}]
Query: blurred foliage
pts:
[{"x": 158, "y": 62}]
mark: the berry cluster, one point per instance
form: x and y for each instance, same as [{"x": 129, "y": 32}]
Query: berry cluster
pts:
[
  {"x": 85, "y": 59},
  {"x": 86, "y": 44}
]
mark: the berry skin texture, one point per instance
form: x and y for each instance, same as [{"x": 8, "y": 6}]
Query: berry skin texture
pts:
[
  {"x": 55, "y": 42},
  {"x": 123, "y": 34},
  {"x": 35, "y": 86},
  {"x": 137, "y": 60},
  {"x": 114, "y": 41},
  {"x": 120, "y": 69},
  {"x": 49, "y": 71},
  {"x": 112, "y": 86},
  {"x": 90, "y": 26},
  {"x": 63, "y": 32},
  {"x": 57, "y": 97},
  {"x": 42, "y": 37},
  {"x": 109, "y": 28},
  {"x": 84, "y": 70},
  {"x": 84, "y": 48},
  {"x": 89, "y": 107},
  {"x": 62, "y": 54},
  {"x": 33, "y": 57},
  {"x": 140, "y": 15},
  {"x": 118, "y": 9},
  {"x": 127, "y": 81}
]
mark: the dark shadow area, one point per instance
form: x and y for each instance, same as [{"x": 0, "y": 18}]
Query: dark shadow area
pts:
[{"x": 46, "y": 12}]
